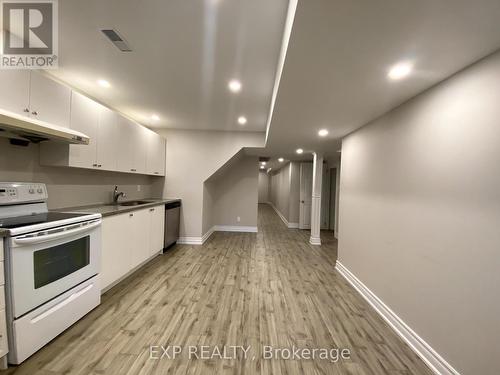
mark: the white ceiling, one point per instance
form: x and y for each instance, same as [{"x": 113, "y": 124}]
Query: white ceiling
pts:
[
  {"x": 184, "y": 54},
  {"x": 335, "y": 73}
]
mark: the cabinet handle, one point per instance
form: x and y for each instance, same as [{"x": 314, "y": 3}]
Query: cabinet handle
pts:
[
  {"x": 157, "y": 172},
  {"x": 151, "y": 209},
  {"x": 26, "y": 110},
  {"x": 100, "y": 165},
  {"x": 130, "y": 215},
  {"x": 94, "y": 165},
  {"x": 34, "y": 113},
  {"x": 133, "y": 170}
]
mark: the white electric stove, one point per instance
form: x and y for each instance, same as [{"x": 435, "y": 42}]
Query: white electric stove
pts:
[{"x": 52, "y": 261}]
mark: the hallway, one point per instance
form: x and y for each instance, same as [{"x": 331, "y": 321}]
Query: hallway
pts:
[{"x": 270, "y": 288}]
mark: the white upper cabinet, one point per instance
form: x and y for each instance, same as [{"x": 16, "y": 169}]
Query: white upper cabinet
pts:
[
  {"x": 85, "y": 119},
  {"x": 49, "y": 100},
  {"x": 155, "y": 162},
  {"x": 141, "y": 148},
  {"x": 15, "y": 91},
  {"x": 133, "y": 140},
  {"x": 34, "y": 95},
  {"x": 116, "y": 143},
  {"x": 107, "y": 145},
  {"x": 125, "y": 139}
]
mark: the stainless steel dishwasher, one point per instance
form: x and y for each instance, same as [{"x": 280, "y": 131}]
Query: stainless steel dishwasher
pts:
[{"x": 172, "y": 213}]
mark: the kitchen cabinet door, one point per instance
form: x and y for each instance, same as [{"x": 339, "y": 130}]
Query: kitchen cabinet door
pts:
[
  {"x": 155, "y": 164},
  {"x": 84, "y": 118},
  {"x": 107, "y": 135},
  {"x": 139, "y": 236},
  {"x": 125, "y": 139},
  {"x": 49, "y": 100},
  {"x": 116, "y": 249},
  {"x": 15, "y": 91},
  {"x": 157, "y": 229},
  {"x": 141, "y": 148}
]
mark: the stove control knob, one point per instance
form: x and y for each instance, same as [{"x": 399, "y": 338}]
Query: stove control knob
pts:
[
  {"x": 31, "y": 191},
  {"x": 39, "y": 190}
]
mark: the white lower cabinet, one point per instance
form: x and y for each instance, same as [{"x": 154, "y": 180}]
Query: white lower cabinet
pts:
[
  {"x": 128, "y": 240},
  {"x": 157, "y": 229}
]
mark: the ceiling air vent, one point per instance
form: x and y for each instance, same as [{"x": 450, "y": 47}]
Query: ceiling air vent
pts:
[{"x": 116, "y": 39}]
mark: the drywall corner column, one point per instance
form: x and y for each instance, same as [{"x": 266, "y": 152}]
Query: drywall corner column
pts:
[{"x": 315, "y": 238}]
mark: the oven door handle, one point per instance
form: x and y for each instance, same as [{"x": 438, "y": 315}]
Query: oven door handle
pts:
[{"x": 54, "y": 236}]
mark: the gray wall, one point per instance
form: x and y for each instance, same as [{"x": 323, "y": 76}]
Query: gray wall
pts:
[
  {"x": 263, "y": 187},
  {"x": 192, "y": 157},
  {"x": 294, "y": 197},
  {"x": 420, "y": 214},
  {"x": 69, "y": 187},
  {"x": 280, "y": 190},
  {"x": 233, "y": 194},
  {"x": 284, "y": 191}
]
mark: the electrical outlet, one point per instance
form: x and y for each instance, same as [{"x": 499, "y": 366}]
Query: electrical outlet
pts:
[
  {"x": 238, "y": 219},
  {"x": 138, "y": 187}
]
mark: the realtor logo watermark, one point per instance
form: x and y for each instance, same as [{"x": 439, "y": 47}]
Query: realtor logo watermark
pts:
[{"x": 29, "y": 34}]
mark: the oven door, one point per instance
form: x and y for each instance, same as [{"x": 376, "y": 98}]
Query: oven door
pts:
[{"x": 45, "y": 264}]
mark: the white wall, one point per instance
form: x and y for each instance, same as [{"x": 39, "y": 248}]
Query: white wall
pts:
[
  {"x": 233, "y": 194},
  {"x": 294, "y": 197},
  {"x": 284, "y": 191},
  {"x": 263, "y": 187},
  {"x": 69, "y": 187},
  {"x": 280, "y": 190},
  {"x": 420, "y": 214},
  {"x": 192, "y": 157}
]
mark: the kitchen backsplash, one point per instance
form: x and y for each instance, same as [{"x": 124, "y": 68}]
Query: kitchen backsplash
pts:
[{"x": 69, "y": 187}]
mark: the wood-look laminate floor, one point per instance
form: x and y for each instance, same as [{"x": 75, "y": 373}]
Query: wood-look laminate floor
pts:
[{"x": 270, "y": 288}]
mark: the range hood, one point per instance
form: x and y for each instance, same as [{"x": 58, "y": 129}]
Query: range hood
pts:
[{"x": 23, "y": 128}]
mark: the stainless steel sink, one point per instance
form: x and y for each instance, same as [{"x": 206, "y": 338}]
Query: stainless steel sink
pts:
[{"x": 133, "y": 203}]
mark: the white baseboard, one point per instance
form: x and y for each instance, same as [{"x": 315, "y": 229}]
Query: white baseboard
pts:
[
  {"x": 293, "y": 225},
  {"x": 234, "y": 228},
  {"x": 315, "y": 240},
  {"x": 283, "y": 218},
  {"x": 190, "y": 241},
  {"x": 215, "y": 228},
  {"x": 435, "y": 362}
]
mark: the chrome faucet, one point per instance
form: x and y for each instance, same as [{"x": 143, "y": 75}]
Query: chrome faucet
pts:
[{"x": 117, "y": 194}]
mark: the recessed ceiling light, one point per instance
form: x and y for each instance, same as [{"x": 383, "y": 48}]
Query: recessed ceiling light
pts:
[
  {"x": 263, "y": 163},
  {"x": 242, "y": 120},
  {"x": 299, "y": 151},
  {"x": 323, "y": 133},
  {"x": 155, "y": 117},
  {"x": 400, "y": 70},
  {"x": 234, "y": 85},
  {"x": 262, "y": 167},
  {"x": 281, "y": 160},
  {"x": 103, "y": 83}
]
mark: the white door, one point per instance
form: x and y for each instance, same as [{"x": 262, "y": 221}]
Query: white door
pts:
[
  {"x": 107, "y": 135},
  {"x": 15, "y": 91},
  {"x": 157, "y": 215},
  {"x": 306, "y": 173},
  {"x": 84, "y": 118},
  {"x": 49, "y": 100}
]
